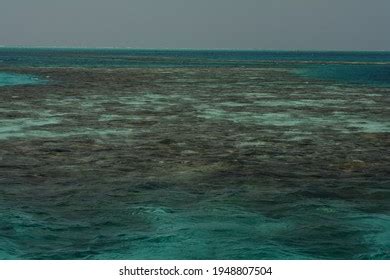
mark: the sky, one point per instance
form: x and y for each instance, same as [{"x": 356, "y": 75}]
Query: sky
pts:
[{"x": 198, "y": 24}]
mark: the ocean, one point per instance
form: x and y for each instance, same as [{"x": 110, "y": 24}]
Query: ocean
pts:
[{"x": 190, "y": 154}]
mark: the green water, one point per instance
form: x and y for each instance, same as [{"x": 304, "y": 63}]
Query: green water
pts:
[{"x": 10, "y": 79}]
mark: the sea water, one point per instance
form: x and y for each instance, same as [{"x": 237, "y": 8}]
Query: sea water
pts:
[
  {"x": 9, "y": 79},
  {"x": 167, "y": 154}
]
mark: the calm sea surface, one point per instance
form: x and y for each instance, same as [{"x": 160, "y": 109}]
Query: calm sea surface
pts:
[{"x": 164, "y": 154}]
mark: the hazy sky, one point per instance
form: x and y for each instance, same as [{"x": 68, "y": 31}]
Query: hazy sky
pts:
[{"x": 245, "y": 24}]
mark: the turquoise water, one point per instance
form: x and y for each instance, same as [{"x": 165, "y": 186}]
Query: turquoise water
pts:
[
  {"x": 375, "y": 74},
  {"x": 9, "y": 79},
  {"x": 153, "y": 154}
]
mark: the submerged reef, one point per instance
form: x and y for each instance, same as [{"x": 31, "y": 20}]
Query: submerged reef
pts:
[{"x": 193, "y": 163}]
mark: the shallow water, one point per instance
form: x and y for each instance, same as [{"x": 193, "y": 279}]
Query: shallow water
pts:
[
  {"x": 193, "y": 155},
  {"x": 11, "y": 79}
]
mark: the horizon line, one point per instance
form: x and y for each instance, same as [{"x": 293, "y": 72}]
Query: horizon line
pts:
[{"x": 183, "y": 49}]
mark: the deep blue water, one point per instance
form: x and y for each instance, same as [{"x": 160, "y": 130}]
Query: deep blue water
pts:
[
  {"x": 166, "y": 154},
  {"x": 361, "y": 74},
  {"x": 359, "y": 67}
]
